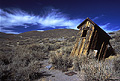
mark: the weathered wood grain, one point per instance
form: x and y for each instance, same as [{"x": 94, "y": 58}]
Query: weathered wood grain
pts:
[{"x": 90, "y": 37}]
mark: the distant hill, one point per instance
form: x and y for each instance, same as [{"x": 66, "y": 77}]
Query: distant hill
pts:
[
  {"x": 115, "y": 41},
  {"x": 6, "y": 36},
  {"x": 56, "y": 33}
]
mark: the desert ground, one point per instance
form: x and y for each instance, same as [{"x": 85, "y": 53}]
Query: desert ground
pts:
[{"x": 45, "y": 56}]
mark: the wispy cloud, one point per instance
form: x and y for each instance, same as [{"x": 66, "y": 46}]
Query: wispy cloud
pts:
[
  {"x": 55, "y": 18},
  {"x": 9, "y": 31},
  {"x": 16, "y": 18},
  {"x": 97, "y": 17},
  {"x": 40, "y": 30},
  {"x": 104, "y": 26},
  {"x": 12, "y": 18},
  {"x": 107, "y": 27}
]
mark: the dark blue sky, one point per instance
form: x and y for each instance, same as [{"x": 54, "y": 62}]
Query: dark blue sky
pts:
[{"x": 17, "y": 16}]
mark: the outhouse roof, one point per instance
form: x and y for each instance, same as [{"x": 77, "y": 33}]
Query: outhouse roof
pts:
[{"x": 96, "y": 27}]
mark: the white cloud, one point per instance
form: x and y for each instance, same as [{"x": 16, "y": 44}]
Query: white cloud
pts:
[
  {"x": 9, "y": 31},
  {"x": 53, "y": 18},
  {"x": 97, "y": 17},
  {"x": 106, "y": 26},
  {"x": 15, "y": 18},
  {"x": 9, "y": 19},
  {"x": 40, "y": 30}
]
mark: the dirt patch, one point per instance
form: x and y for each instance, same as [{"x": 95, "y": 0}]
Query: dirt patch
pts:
[{"x": 70, "y": 73}]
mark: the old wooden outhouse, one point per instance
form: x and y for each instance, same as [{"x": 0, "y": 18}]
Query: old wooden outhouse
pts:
[{"x": 91, "y": 37}]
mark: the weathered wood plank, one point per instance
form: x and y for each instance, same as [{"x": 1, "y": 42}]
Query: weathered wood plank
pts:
[
  {"x": 73, "y": 52},
  {"x": 78, "y": 48},
  {"x": 89, "y": 39},
  {"x": 86, "y": 42},
  {"x": 95, "y": 41},
  {"x": 75, "y": 47},
  {"x": 105, "y": 51},
  {"x": 82, "y": 44},
  {"x": 100, "y": 51}
]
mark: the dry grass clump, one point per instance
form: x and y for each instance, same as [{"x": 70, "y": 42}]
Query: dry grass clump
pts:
[
  {"x": 21, "y": 62},
  {"x": 115, "y": 42},
  {"x": 94, "y": 69},
  {"x": 60, "y": 59},
  {"x": 61, "y": 62},
  {"x": 6, "y": 55},
  {"x": 117, "y": 66},
  {"x": 99, "y": 71},
  {"x": 12, "y": 72},
  {"x": 117, "y": 49},
  {"x": 53, "y": 46},
  {"x": 15, "y": 72},
  {"x": 20, "y": 57}
]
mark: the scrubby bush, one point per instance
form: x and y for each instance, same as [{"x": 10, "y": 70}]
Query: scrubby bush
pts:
[
  {"x": 98, "y": 71},
  {"x": 72, "y": 39},
  {"x": 15, "y": 72},
  {"x": 38, "y": 47},
  {"x": 60, "y": 60},
  {"x": 117, "y": 49},
  {"x": 94, "y": 69},
  {"x": 20, "y": 59},
  {"x": 18, "y": 64},
  {"x": 117, "y": 66},
  {"x": 53, "y": 46}
]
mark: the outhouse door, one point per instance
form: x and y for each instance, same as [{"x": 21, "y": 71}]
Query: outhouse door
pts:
[{"x": 84, "y": 41}]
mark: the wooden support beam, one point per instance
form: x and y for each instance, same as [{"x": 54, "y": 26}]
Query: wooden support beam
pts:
[
  {"x": 100, "y": 51},
  {"x": 82, "y": 45},
  {"x": 79, "y": 47},
  {"x": 105, "y": 51},
  {"x": 75, "y": 47},
  {"x": 94, "y": 41}
]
